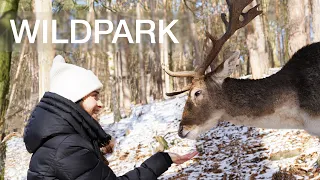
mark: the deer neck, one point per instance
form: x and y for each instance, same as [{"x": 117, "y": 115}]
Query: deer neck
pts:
[{"x": 264, "y": 103}]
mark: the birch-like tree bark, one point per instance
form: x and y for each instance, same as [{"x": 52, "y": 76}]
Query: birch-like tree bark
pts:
[{"x": 43, "y": 9}]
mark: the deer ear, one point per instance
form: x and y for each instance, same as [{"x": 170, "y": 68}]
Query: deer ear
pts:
[{"x": 226, "y": 68}]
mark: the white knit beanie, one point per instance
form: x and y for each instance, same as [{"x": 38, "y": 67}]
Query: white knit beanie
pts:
[{"x": 71, "y": 81}]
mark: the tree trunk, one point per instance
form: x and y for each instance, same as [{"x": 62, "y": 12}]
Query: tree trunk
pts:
[
  {"x": 43, "y": 10},
  {"x": 157, "y": 71},
  {"x": 164, "y": 51},
  {"x": 259, "y": 59},
  {"x": 125, "y": 77},
  {"x": 278, "y": 36},
  {"x": 316, "y": 20},
  {"x": 15, "y": 80},
  {"x": 119, "y": 75},
  {"x": 19, "y": 92},
  {"x": 115, "y": 100},
  {"x": 113, "y": 85},
  {"x": 142, "y": 64},
  {"x": 307, "y": 8},
  {"x": 195, "y": 42},
  {"x": 8, "y": 11},
  {"x": 270, "y": 35},
  {"x": 112, "y": 78},
  {"x": 91, "y": 54},
  {"x": 297, "y": 35}
]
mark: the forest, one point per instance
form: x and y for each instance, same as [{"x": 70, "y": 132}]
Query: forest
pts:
[{"x": 132, "y": 73}]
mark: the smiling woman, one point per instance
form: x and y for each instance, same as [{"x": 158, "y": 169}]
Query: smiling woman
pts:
[
  {"x": 92, "y": 104},
  {"x": 66, "y": 139}
]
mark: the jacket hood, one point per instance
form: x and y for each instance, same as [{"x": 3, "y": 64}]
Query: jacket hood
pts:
[{"x": 55, "y": 115}]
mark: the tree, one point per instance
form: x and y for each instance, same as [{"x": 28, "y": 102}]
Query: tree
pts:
[
  {"x": 164, "y": 51},
  {"x": 112, "y": 65},
  {"x": 296, "y": 19},
  {"x": 111, "y": 74},
  {"x": 124, "y": 75},
  {"x": 157, "y": 70},
  {"x": 257, "y": 48},
  {"x": 141, "y": 63},
  {"x": 315, "y": 4},
  {"x": 43, "y": 9},
  {"x": 270, "y": 30},
  {"x": 8, "y": 11}
]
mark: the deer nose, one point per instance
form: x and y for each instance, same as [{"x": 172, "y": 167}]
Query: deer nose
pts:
[{"x": 180, "y": 131}]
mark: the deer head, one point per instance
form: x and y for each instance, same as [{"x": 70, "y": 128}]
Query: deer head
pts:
[{"x": 205, "y": 89}]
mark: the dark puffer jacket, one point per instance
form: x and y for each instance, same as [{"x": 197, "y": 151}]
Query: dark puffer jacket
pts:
[{"x": 65, "y": 141}]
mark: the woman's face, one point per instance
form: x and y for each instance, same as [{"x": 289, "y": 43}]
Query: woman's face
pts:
[{"x": 92, "y": 104}]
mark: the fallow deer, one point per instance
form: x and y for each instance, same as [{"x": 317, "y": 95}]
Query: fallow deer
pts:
[{"x": 289, "y": 99}]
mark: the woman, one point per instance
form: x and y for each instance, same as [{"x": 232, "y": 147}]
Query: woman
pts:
[{"x": 65, "y": 139}]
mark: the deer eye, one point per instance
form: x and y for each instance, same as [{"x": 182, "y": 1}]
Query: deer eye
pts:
[{"x": 197, "y": 93}]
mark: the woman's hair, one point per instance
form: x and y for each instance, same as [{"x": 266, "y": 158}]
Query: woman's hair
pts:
[{"x": 78, "y": 102}]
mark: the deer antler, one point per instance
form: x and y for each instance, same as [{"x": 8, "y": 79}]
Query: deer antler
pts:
[
  {"x": 232, "y": 25},
  {"x": 235, "y": 11},
  {"x": 184, "y": 89},
  {"x": 180, "y": 73}
]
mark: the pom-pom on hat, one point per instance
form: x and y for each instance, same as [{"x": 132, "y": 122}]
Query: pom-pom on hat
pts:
[{"x": 71, "y": 81}]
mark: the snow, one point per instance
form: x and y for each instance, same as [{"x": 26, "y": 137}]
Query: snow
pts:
[
  {"x": 227, "y": 151},
  {"x": 17, "y": 160}
]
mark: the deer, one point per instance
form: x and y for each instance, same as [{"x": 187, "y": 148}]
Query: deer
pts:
[{"x": 288, "y": 99}]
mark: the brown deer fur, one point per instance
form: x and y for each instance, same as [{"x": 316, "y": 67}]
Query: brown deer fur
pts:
[{"x": 287, "y": 99}]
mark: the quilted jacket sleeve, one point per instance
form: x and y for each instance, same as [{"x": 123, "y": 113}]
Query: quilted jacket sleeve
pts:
[{"x": 79, "y": 162}]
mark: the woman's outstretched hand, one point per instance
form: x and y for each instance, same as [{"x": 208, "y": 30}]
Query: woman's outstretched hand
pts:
[
  {"x": 108, "y": 149},
  {"x": 178, "y": 159}
]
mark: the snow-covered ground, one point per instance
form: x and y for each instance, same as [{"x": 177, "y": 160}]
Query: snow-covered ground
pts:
[{"x": 227, "y": 151}]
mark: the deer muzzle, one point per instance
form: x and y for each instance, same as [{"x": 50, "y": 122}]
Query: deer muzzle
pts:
[{"x": 183, "y": 131}]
